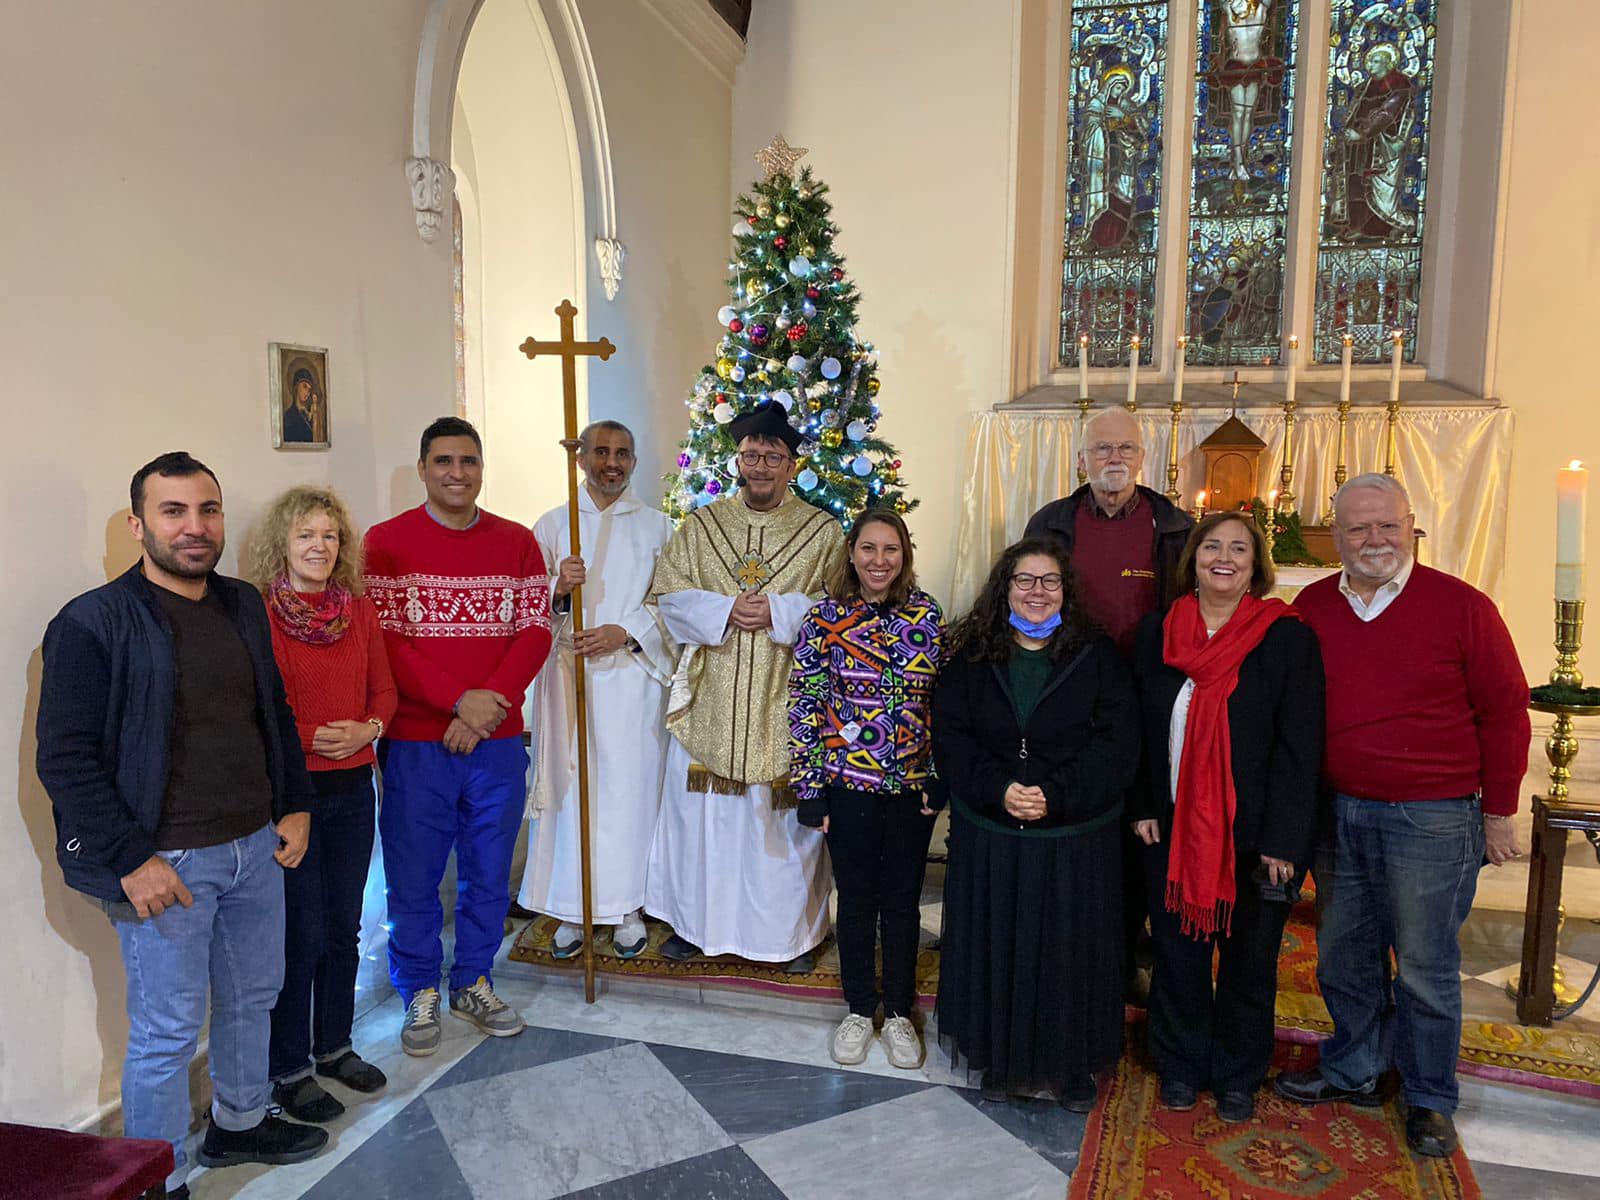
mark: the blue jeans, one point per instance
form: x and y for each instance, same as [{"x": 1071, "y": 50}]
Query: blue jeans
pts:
[
  {"x": 1401, "y": 876},
  {"x": 231, "y": 942},
  {"x": 322, "y": 928},
  {"x": 435, "y": 801}
]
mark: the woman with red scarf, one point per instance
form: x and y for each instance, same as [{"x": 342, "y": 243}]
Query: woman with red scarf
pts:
[
  {"x": 325, "y": 637},
  {"x": 1230, "y": 684}
]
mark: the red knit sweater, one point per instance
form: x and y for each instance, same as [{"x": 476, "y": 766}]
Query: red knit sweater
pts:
[
  {"x": 460, "y": 609},
  {"x": 348, "y": 680},
  {"x": 1426, "y": 701},
  {"x": 1114, "y": 559}
]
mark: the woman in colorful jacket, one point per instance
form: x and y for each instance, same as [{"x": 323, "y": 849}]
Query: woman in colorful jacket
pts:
[{"x": 865, "y": 664}]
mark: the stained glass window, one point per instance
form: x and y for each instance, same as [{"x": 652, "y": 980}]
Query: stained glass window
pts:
[
  {"x": 1239, "y": 197},
  {"x": 1115, "y": 83},
  {"x": 1375, "y": 173}
]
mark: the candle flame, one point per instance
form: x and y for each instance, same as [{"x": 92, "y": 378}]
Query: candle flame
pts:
[
  {"x": 1294, "y": 341},
  {"x": 1399, "y": 335},
  {"x": 1200, "y": 498},
  {"x": 1273, "y": 497},
  {"x": 1349, "y": 340},
  {"x": 1135, "y": 341},
  {"x": 1575, "y": 465},
  {"x": 1083, "y": 339},
  {"x": 1183, "y": 340}
]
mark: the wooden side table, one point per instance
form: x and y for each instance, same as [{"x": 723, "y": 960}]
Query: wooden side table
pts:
[{"x": 1541, "y": 923}]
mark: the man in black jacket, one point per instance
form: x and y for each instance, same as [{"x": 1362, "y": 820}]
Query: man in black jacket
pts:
[
  {"x": 1124, "y": 541},
  {"x": 180, "y": 795}
]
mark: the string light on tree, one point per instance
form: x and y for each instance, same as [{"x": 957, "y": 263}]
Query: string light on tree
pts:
[{"x": 789, "y": 289}]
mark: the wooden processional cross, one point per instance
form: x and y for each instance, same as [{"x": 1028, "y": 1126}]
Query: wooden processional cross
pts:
[{"x": 569, "y": 350}]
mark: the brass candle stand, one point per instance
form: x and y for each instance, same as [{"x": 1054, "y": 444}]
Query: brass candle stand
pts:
[
  {"x": 1391, "y": 420},
  {"x": 1083, "y": 423},
  {"x": 1172, "y": 452},
  {"x": 1286, "y": 473},
  {"x": 1340, "y": 474},
  {"x": 1561, "y": 747}
]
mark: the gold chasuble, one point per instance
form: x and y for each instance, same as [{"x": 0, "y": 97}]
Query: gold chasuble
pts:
[{"x": 729, "y": 705}]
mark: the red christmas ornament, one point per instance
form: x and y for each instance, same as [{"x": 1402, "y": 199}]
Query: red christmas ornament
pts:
[
  {"x": 897, "y": 464},
  {"x": 780, "y": 242},
  {"x": 812, "y": 293},
  {"x": 836, "y": 274},
  {"x": 797, "y": 331},
  {"x": 735, "y": 325}
]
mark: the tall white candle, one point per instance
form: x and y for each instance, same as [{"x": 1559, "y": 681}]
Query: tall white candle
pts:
[
  {"x": 1133, "y": 372},
  {"x": 1294, "y": 356},
  {"x": 1572, "y": 489},
  {"x": 1177, "y": 382},
  {"x": 1083, "y": 365},
  {"x": 1399, "y": 339},
  {"x": 1344, "y": 369}
]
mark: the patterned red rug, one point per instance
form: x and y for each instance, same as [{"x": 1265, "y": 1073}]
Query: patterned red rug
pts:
[{"x": 1135, "y": 1148}]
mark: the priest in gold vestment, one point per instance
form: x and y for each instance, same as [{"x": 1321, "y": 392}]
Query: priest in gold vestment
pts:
[{"x": 731, "y": 868}]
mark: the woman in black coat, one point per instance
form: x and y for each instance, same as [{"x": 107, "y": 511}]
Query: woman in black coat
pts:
[
  {"x": 1035, "y": 735},
  {"x": 1225, "y": 678}
]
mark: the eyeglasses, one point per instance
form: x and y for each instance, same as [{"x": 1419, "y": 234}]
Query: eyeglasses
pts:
[
  {"x": 1104, "y": 449},
  {"x": 754, "y": 458},
  {"x": 1360, "y": 533},
  {"x": 1024, "y": 582}
]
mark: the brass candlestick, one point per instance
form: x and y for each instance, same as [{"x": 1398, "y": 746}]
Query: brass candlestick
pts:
[
  {"x": 1286, "y": 473},
  {"x": 1083, "y": 421},
  {"x": 1272, "y": 526},
  {"x": 1172, "y": 452},
  {"x": 1339, "y": 472},
  {"x": 1392, "y": 419}
]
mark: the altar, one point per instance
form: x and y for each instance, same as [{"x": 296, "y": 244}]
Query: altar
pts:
[{"x": 1454, "y": 457}]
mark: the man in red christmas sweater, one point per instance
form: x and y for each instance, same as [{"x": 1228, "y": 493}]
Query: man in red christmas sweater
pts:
[
  {"x": 1427, "y": 711},
  {"x": 462, "y": 597}
]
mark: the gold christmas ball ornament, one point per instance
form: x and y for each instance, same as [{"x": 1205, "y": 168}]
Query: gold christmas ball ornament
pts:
[
  {"x": 763, "y": 209},
  {"x": 807, "y": 249},
  {"x": 872, "y": 387},
  {"x": 724, "y": 367},
  {"x": 803, "y": 193},
  {"x": 831, "y": 438},
  {"x": 781, "y": 221}
]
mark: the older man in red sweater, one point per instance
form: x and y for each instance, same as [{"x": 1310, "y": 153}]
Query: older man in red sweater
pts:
[{"x": 1427, "y": 744}]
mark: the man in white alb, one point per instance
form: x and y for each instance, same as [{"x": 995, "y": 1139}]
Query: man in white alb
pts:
[
  {"x": 732, "y": 869},
  {"x": 629, "y": 666}
]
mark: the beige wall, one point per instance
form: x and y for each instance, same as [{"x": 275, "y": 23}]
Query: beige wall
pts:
[
  {"x": 1549, "y": 309},
  {"x": 909, "y": 124}
]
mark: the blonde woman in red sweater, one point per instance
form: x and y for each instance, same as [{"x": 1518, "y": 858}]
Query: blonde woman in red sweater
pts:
[{"x": 306, "y": 560}]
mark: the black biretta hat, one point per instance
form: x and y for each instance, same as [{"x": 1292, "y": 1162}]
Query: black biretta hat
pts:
[{"x": 769, "y": 419}]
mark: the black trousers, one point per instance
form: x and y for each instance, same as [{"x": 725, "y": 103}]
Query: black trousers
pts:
[
  {"x": 1218, "y": 1036},
  {"x": 879, "y": 847},
  {"x": 322, "y": 926}
]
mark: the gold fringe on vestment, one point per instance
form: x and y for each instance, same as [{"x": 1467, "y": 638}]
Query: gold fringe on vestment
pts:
[{"x": 704, "y": 779}]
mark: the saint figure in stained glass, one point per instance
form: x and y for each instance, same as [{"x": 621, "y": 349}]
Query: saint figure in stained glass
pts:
[
  {"x": 1367, "y": 158},
  {"x": 1245, "y": 79},
  {"x": 1118, "y": 53}
]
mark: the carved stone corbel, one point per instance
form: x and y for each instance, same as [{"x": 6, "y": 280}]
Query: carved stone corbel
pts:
[
  {"x": 610, "y": 254},
  {"x": 432, "y": 185}
]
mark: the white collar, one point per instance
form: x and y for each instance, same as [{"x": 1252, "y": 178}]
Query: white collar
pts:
[
  {"x": 1393, "y": 586},
  {"x": 625, "y": 503}
]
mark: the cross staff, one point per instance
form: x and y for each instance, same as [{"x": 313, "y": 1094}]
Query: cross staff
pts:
[{"x": 569, "y": 350}]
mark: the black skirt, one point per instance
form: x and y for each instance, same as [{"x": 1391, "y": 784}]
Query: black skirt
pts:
[{"x": 1031, "y": 959}]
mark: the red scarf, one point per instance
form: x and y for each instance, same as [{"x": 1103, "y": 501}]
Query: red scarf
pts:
[
  {"x": 316, "y": 619},
  {"x": 1200, "y": 868}
]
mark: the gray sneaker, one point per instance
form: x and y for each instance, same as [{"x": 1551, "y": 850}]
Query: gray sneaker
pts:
[
  {"x": 902, "y": 1043},
  {"x": 419, "y": 1036},
  {"x": 478, "y": 1003}
]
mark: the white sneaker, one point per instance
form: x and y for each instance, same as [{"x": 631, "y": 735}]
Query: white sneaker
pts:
[
  {"x": 903, "y": 1044},
  {"x": 630, "y": 938},
  {"x": 850, "y": 1041},
  {"x": 567, "y": 940}
]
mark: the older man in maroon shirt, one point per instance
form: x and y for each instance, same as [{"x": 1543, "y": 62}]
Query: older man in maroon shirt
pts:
[{"x": 1124, "y": 541}]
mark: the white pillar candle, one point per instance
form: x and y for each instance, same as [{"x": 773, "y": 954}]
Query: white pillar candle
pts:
[
  {"x": 1177, "y": 382},
  {"x": 1399, "y": 339},
  {"x": 1294, "y": 355},
  {"x": 1083, "y": 365},
  {"x": 1133, "y": 371},
  {"x": 1344, "y": 369},
  {"x": 1572, "y": 488}
]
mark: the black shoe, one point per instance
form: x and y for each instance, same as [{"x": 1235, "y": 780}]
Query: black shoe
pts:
[
  {"x": 354, "y": 1072},
  {"x": 1309, "y": 1087},
  {"x": 305, "y": 1100},
  {"x": 1177, "y": 1095},
  {"x": 678, "y": 949},
  {"x": 1236, "y": 1106},
  {"x": 516, "y": 912},
  {"x": 993, "y": 1090},
  {"x": 1430, "y": 1133},
  {"x": 273, "y": 1141},
  {"x": 181, "y": 1192},
  {"x": 801, "y": 964},
  {"x": 1079, "y": 1097}
]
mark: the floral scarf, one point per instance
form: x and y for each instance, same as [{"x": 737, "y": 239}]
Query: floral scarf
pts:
[{"x": 317, "y": 624}]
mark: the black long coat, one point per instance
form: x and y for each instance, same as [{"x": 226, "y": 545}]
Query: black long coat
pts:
[{"x": 1275, "y": 722}]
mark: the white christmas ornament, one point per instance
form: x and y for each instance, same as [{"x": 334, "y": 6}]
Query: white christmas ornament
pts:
[
  {"x": 800, "y": 265},
  {"x": 855, "y": 431},
  {"x": 809, "y": 309},
  {"x": 743, "y": 229},
  {"x": 736, "y": 374},
  {"x": 807, "y": 479},
  {"x": 797, "y": 363},
  {"x": 830, "y": 368},
  {"x": 862, "y": 465},
  {"x": 723, "y": 413},
  {"x": 726, "y": 313},
  {"x": 785, "y": 399}
]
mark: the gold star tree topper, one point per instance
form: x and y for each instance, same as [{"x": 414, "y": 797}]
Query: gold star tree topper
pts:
[{"x": 778, "y": 158}]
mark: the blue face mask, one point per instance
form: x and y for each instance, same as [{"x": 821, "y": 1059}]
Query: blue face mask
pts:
[{"x": 1039, "y": 631}]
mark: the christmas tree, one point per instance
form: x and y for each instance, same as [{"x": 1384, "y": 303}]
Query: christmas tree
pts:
[{"x": 789, "y": 336}]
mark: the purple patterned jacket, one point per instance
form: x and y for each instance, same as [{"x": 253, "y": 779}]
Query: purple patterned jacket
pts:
[{"x": 859, "y": 696}]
